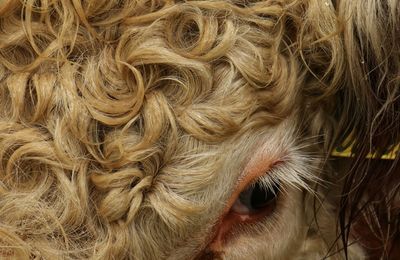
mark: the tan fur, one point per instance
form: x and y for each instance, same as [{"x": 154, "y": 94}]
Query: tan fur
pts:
[{"x": 126, "y": 125}]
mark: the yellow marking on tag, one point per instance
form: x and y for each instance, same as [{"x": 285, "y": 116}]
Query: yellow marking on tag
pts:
[{"x": 345, "y": 151}]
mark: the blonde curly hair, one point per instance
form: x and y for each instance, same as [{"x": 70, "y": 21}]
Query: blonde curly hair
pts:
[{"x": 125, "y": 125}]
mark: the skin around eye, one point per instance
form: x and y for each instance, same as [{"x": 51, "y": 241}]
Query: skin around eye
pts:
[{"x": 252, "y": 201}]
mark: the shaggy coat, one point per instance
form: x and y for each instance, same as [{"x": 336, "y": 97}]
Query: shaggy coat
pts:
[{"x": 135, "y": 129}]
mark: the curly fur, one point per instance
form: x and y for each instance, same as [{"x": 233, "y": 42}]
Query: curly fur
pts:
[{"x": 125, "y": 125}]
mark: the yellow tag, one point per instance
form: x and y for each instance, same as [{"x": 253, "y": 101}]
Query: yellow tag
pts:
[{"x": 345, "y": 151}]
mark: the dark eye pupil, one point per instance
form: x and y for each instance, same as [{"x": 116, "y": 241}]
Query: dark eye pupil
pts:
[
  {"x": 258, "y": 197},
  {"x": 262, "y": 197}
]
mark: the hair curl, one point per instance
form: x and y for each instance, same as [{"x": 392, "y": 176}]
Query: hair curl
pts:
[{"x": 113, "y": 113}]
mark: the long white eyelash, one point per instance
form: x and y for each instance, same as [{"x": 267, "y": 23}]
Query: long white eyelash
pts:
[{"x": 296, "y": 170}]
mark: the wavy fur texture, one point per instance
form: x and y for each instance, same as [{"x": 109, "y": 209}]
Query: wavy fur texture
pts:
[{"x": 126, "y": 125}]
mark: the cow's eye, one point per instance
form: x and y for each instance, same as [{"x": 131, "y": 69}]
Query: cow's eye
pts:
[{"x": 255, "y": 198}]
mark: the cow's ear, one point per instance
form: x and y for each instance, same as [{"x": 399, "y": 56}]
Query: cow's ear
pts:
[
  {"x": 371, "y": 33},
  {"x": 351, "y": 52}
]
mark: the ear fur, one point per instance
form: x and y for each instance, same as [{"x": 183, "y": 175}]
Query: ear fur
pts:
[{"x": 354, "y": 65}]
